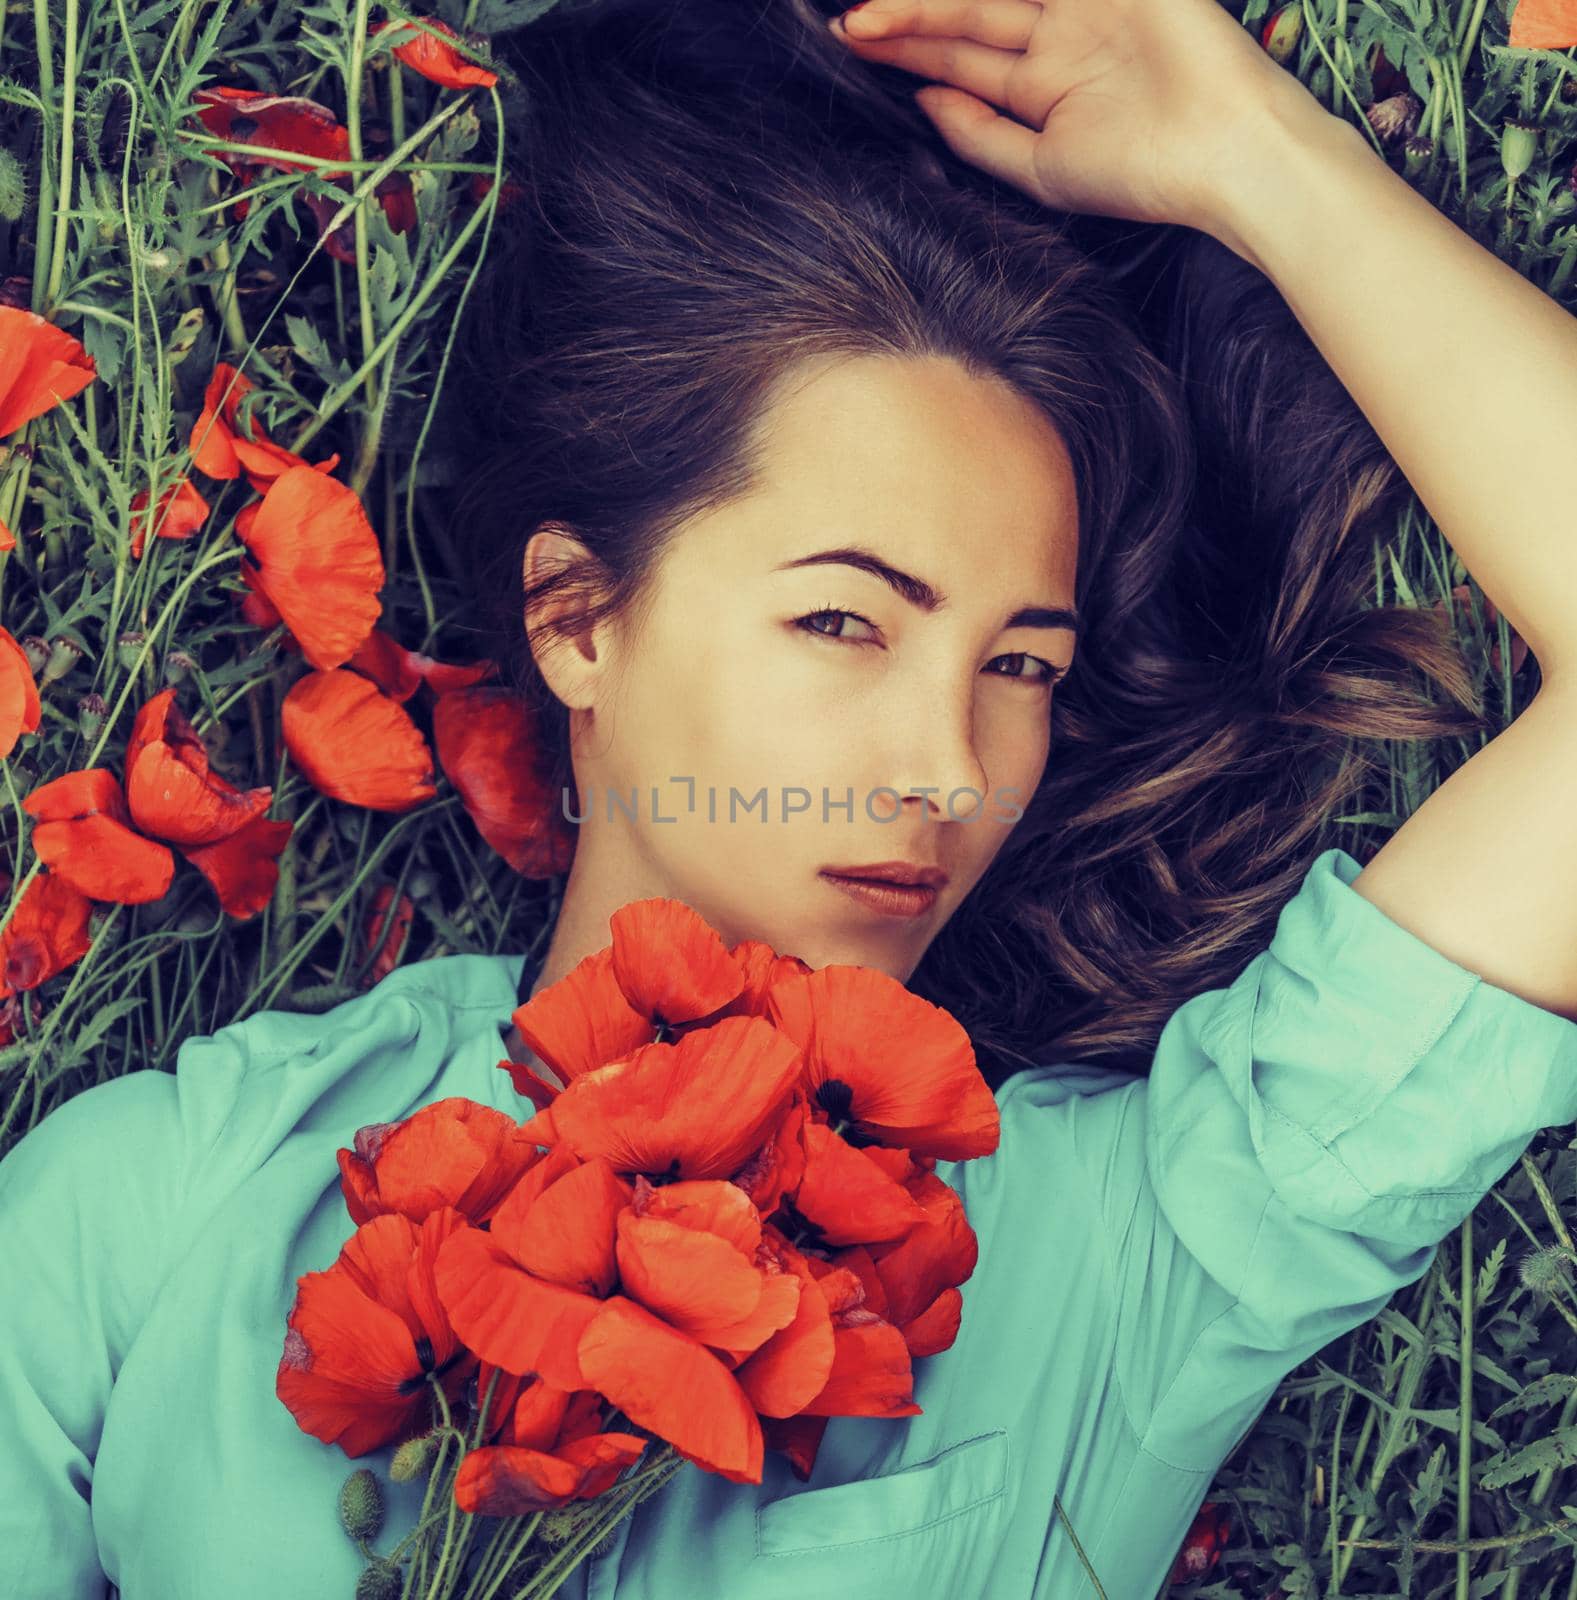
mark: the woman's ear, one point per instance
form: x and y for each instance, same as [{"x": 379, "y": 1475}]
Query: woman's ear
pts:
[{"x": 571, "y": 660}]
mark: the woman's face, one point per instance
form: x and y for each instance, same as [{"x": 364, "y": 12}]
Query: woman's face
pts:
[{"x": 758, "y": 743}]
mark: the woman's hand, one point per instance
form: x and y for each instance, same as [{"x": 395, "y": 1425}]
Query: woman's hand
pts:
[{"x": 1125, "y": 108}]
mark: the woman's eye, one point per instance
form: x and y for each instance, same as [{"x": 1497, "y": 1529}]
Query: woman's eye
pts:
[
  {"x": 811, "y": 619},
  {"x": 1048, "y": 674}
]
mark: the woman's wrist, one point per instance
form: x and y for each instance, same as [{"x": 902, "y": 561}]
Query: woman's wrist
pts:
[{"x": 1276, "y": 174}]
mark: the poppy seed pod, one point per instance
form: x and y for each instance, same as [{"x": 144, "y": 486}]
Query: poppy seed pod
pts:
[
  {"x": 63, "y": 656},
  {"x": 91, "y": 711},
  {"x": 361, "y": 1504},
  {"x": 1518, "y": 143}
]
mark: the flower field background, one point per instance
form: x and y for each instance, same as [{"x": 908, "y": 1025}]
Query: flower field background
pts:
[{"x": 252, "y": 754}]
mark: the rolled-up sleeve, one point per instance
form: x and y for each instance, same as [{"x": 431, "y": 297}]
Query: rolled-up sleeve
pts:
[{"x": 1306, "y": 1137}]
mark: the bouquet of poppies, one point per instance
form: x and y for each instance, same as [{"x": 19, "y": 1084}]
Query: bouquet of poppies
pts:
[{"x": 723, "y": 1230}]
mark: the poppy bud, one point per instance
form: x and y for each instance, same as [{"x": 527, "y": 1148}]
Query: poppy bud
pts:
[
  {"x": 91, "y": 711},
  {"x": 361, "y": 1504},
  {"x": 63, "y": 656},
  {"x": 1279, "y": 37},
  {"x": 1519, "y": 141},
  {"x": 1417, "y": 152},
  {"x": 380, "y": 1581},
  {"x": 13, "y": 187},
  {"x": 36, "y": 649},
  {"x": 177, "y": 665},
  {"x": 1545, "y": 1270},
  {"x": 128, "y": 649},
  {"x": 411, "y": 1459},
  {"x": 557, "y": 1527},
  {"x": 421, "y": 884}
]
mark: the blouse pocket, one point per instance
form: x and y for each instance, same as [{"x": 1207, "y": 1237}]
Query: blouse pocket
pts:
[{"x": 963, "y": 1481}]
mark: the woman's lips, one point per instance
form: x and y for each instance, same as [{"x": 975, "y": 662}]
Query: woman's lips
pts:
[{"x": 888, "y": 899}]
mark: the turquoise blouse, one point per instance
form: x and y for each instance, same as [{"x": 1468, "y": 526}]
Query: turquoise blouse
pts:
[{"x": 1156, "y": 1255}]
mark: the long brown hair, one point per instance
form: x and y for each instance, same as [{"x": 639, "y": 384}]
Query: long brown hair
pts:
[{"x": 713, "y": 191}]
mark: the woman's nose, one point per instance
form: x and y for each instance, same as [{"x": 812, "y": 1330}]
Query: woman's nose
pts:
[{"x": 937, "y": 760}]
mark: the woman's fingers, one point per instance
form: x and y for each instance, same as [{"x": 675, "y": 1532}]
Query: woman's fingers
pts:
[
  {"x": 1007, "y": 24},
  {"x": 980, "y": 136},
  {"x": 982, "y": 70}
]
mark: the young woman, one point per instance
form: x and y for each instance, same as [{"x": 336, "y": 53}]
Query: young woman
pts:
[{"x": 808, "y": 460}]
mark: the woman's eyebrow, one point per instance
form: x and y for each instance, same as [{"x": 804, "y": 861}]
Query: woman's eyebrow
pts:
[{"x": 923, "y": 595}]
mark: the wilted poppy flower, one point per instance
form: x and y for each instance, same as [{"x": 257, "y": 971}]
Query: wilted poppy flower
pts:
[
  {"x": 47, "y": 933},
  {"x": 317, "y": 560},
  {"x": 40, "y": 366},
  {"x": 276, "y": 122},
  {"x": 170, "y": 789},
  {"x": 364, "y": 1335},
  {"x": 490, "y": 749},
  {"x": 180, "y": 513},
  {"x": 112, "y": 843},
  {"x": 1207, "y": 1537},
  {"x": 435, "y": 59},
  {"x": 551, "y": 1450},
  {"x": 19, "y": 705},
  {"x": 400, "y": 672},
  {"x": 1543, "y": 25},
  {"x": 356, "y": 744},
  {"x": 454, "y": 1152},
  {"x": 386, "y": 933},
  {"x": 220, "y": 449}
]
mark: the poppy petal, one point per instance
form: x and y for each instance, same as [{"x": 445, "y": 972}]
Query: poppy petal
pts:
[
  {"x": 317, "y": 560},
  {"x": 356, "y": 744},
  {"x": 40, "y": 366},
  {"x": 490, "y": 748},
  {"x": 663, "y": 1380}
]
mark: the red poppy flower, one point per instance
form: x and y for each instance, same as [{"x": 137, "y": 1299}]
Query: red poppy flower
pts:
[
  {"x": 552, "y": 1450},
  {"x": 666, "y": 964},
  {"x": 7, "y": 538},
  {"x": 171, "y": 791},
  {"x": 180, "y": 513},
  {"x": 435, "y": 59},
  {"x": 386, "y": 935},
  {"x": 275, "y": 122},
  {"x": 356, "y": 744},
  {"x": 47, "y": 933},
  {"x": 454, "y": 1152},
  {"x": 364, "y": 1335},
  {"x": 40, "y": 366},
  {"x": 84, "y": 832},
  {"x": 19, "y": 704},
  {"x": 1207, "y": 1538},
  {"x": 1543, "y": 25},
  {"x": 490, "y": 749},
  {"x": 221, "y": 450},
  {"x": 898, "y": 1069},
  {"x": 317, "y": 560},
  {"x": 113, "y": 844},
  {"x": 535, "y": 1293}
]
